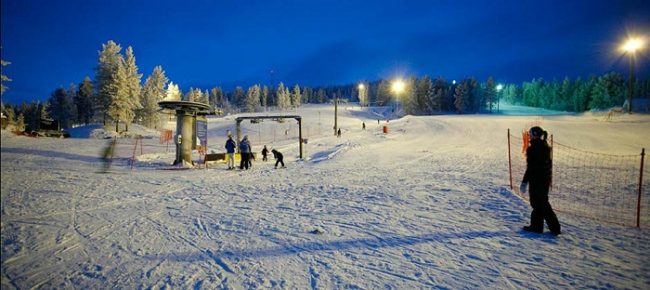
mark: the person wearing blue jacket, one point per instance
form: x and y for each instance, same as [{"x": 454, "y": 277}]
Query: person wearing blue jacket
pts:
[
  {"x": 244, "y": 151},
  {"x": 230, "y": 149}
]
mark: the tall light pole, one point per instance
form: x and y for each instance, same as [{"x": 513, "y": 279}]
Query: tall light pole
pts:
[
  {"x": 630, "y": 47},
  {"x": 499, "y": 89},
  {"x": 397, "y": 87},
  {"x": 362, "y": 94}
]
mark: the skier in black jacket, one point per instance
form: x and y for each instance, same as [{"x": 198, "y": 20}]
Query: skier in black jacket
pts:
[
  {"x": 538, "y": 175},
  {"x": 265, "y": 152},
  {"x": 278, "y": 158}
]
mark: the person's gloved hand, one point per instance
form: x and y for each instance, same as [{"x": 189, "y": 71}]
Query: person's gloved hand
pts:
[{"x": 523, "y": 187}]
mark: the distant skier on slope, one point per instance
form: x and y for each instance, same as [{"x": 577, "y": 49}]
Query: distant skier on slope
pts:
[
  {"x": 265, "y": 152},
  {"x": 279, "y": 158},
  {"x": 245, "y": 151},
  {"x": 230, "y": 149},
  {"x": 538, "y": 175}
]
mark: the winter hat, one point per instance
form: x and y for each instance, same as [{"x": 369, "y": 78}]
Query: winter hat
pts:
[
  {"x": 538, "y": 132},
  {"x": 245, "y": 137}
]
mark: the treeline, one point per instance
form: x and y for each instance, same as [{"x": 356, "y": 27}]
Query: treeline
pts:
[
  {"x": 117, "y": 95},
  {"x": 593, "y": 93}
]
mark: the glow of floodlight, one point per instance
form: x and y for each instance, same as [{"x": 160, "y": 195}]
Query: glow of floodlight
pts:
[
  {"x": 398, "y": 86},
  {"x": 632, "y": 45}
]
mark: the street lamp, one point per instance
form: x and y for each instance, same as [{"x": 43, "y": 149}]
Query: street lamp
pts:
[
  {"x": 397, "y": 87},
  {"x": 630, "y": 47},
  {"x": 499, "y": 89},
  {"x": 362, "y": 95}
]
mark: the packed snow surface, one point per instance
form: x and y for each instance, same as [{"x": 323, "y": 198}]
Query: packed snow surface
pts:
[{"x": 426, "y": 205}]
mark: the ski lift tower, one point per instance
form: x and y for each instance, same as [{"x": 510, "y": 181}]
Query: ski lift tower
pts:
[{"x": 186, "y": 113}]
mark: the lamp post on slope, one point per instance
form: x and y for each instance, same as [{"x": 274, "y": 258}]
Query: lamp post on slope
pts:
[
  {"x": 630, "y": 47},
  {"x": 397, "y": 87}
]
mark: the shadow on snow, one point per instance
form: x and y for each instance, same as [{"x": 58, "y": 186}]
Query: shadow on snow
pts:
[{"x": 313, "y": 247}]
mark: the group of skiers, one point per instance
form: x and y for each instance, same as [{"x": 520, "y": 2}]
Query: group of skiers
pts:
[{"x": 246, "y": 154}]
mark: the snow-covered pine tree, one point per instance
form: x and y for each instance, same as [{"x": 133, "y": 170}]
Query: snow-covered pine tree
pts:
[
  {"x": 609, "y": 90},
  {"x": 198, "y": 96},
  {"x": 109, "y": 60},
  {"x": 252, "y": 98},
  {"x": 72, "y": 113},
  {"x": 84, "y": 101},
  {"x": 205, "y": 99},
  {"x": 133, "y": 85},
  {"x": 152, "y": 93},
  {"x": 383, "y": 93},
  {"x": 189, "y": 96},
  {"x": 282, "y": 97},
  {"x": 42, "y": 113},
  {"x": 489, "y": 94},
  {"x": 264, "y": 97},
  {"x": 307, "y": 95},
  {"x": 287, "y": 99},
  {"x": 407, "y": 97},
  {"x": 424, "y": 95},
  {"x": 296, "y": 97},
  {"x": 320, "y": 96},
  {"x": 120, "y": 107},
  {"x": 11, "y": 116},
  {"x": 173, "y": 92},
  {"x": 4, "y": 78},
  {"x": 20, "y": 123},
  {"x": 216, "y": 99},
  {"x": 440, "y": 92},
  {"x": 61, "y": 107},
  {"x": 460, "y": 97},
  {"x": 239, "y": 97},
  {"x": 565, "y": 95}
]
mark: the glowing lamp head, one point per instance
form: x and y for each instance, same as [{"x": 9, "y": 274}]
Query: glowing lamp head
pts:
[
  {"x": 398, "y": 86},
  {"x": 361, "y": 87},
  {"x": 632, "y": 45},
  {"x": 499, "y": 87}
]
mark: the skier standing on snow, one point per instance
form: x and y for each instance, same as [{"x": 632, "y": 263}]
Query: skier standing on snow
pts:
[
  {"x": 364, "y": 125},
  {"x": 230, "y": 149},
  {"x": 279, "y": 158},
  {"x": 338, "y": 133},
  {"x": 265, "y": 152},
  {"x": 538, "y": 175},
  {"x": 244, "y": 150}
]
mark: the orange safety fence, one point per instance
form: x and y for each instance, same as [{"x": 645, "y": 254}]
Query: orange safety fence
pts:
[{"x": 603, "y": 187}]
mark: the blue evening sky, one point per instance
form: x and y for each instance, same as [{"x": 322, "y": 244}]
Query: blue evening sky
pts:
[{"x": 53, "y": 43}]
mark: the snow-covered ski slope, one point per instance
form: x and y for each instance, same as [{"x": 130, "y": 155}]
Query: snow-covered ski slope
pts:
[{"x": 425, "y": 206}]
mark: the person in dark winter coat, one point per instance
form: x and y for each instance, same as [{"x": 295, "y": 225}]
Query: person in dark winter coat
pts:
[
  {"x": 230, "y": 149},
  {"x": 538, "y": 176},
  {"x": 279, "y": 158},
  {"x": 265, "y": 152},
  {"x": 244, "y": 151}
]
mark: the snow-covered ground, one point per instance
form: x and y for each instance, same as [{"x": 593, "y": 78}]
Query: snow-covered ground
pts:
[{"x": 425, "y": 206}]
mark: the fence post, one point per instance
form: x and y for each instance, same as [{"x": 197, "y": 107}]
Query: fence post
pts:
[
  {"x": 638, "y": 199},
  {"x": 509, "y": 160},
  {"x": 135, "y": 147}
]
